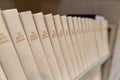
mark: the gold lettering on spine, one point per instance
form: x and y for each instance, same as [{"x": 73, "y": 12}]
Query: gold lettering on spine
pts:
[
  {"x": 61, "y": 33},
  {"x": 54, "y": 34},
  {"x": 3, "y": 38},
  {"x": 44, "y": 34},
  {"x": 19, "y": 37},
  {"x": 33, "y": 36}
]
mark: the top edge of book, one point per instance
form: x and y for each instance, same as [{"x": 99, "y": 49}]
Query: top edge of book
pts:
[
  {"x": 36, "y": 14},
  {"x": 25, "y": 12},
  {"x": 63, "y": 16},
  {"x": 47, "y": 15},
  {"x": 10, "y": 10},
  {"x": 57, "y": 15}
]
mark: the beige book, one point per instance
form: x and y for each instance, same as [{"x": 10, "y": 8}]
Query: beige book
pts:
[
  {"x": 70, "y": 44},
  {"x": 21, "y": 44},
  {"x": 93, "y": 41},
  {"x": 63, "y": 45},
  {"x": 81, "y": 44},
  {"x": 2, "y": 74},
  {"x": 104, "y": 31},
  {"x": 56, "y": 46},
  {"x": 77, "y": 32},
  {"x": 96, "y": 31},
  {"x": 84, "y": 42},
  {"x": 36, "y": 46},
  {"x": 90, "y": 43},
  {"x": 98, "y": 36},
  {"x": 46, "y": 43},
  {"x": 8, "y": 57},
  {"x": 74, "y": 41}
]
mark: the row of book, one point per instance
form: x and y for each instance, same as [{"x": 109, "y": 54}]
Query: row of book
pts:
[{"x": 49, "y": 47}]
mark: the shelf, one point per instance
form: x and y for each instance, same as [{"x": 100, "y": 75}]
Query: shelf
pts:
[{"x": 85, "y": 74}]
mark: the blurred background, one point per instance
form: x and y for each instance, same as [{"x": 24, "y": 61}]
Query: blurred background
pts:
[{"x": 110, "y": 9}]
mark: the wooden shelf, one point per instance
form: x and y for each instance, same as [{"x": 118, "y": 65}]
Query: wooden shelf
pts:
[{"x": 85, "y": 74}]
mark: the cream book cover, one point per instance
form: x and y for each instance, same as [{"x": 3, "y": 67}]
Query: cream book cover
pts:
[
  {"x": 104, "y": 32},
  {"x": 46, "y": 43},
  {"x": 63, "y": 44},
  {"x": 74, "y": 41},
  {"x": 8, "y": 57},
  {"x": 2, "y": 74},
  {"x": 77, "y": 31},
  {"x": 56, "y": 46},
  {"x": 99, "y": 37},
  {"x": 84, "y": 41},
  {"x": 81, "y": 44},
  {"x": 36, "y": 46},
  {"x": 70, "y": 44},
  {"x": 93, "y": 41},
  {"x": 95, "y": 28},
  {"x": 21, "y": 44},
  {"x": 93, "y": 34},
  {"x": 90, "y": 43}
]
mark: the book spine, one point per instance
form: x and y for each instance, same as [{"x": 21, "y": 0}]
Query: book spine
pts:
[
  {"x": 74, "y": 41},
  {"x": 36, "y": 46},
  {"x": 104, "y": 33},
  {"x": 81, "y": 48},
  {"x": 8, "y": 56},
  {"x": 75, "y": 23},
  {"x": 92, "y": 42},
  {"x": 69, "y": 44},
  {"x": 98, "y": 37},
  {"x": 56, "y": 46},
  {"x": 21, "y": 44},
  {"x": 89, "y": 42},
  {"x": 47, "y": 46},
  {"x": 84, "y": 42},
  {"x": 63, "y": 45}
]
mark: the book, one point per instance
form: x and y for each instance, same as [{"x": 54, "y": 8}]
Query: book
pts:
[
  {"x": 8, "y": 57},
  {"x": 84, "y": 44},
  {"x": 81, "y": 44},
  {"x": 70, "y": 44},
  {"x": 78, "y": 40},
  {"x": 2, "y": 74},
  {"x": 90, "y": 43},
  {"x": 47, "y": 46},
  {"x": 56, "y": 46},
  {"x": 21, "y": 44},
  {"x": 99, "y": 37},
  {"x": 104, "y": 32},
  {"x": 35, "y": 44},
  {"x": 95, "y": 49},
  {"x": 63, "y": 44},
  {"x": 74, "y": 41}
]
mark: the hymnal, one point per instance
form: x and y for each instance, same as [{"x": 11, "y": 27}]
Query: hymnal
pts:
[
  {"x": 36, "y": 46},
  {"x": 21, "y": 44},
  {"x": 8, "y": 56},
  {"x": 47, "y": 46}
]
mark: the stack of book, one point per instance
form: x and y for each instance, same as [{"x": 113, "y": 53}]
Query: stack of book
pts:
[{"x": 49, "y": 47}]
